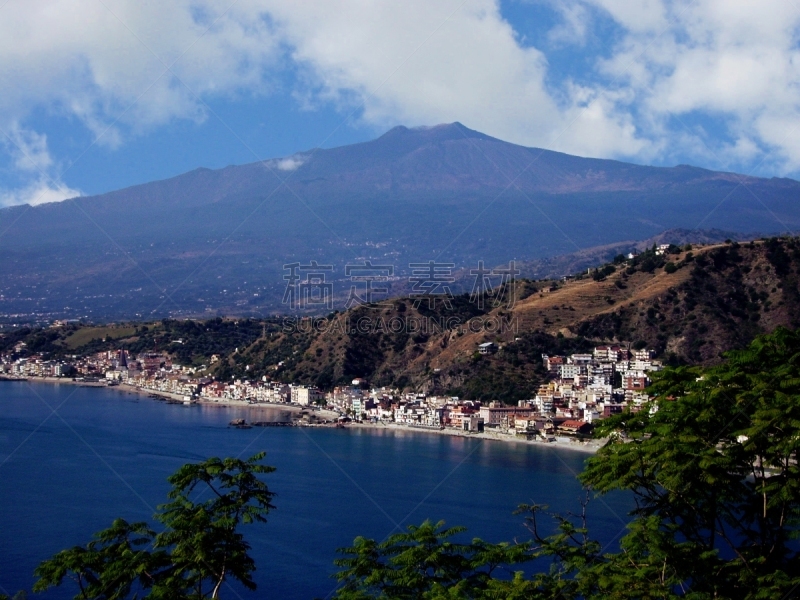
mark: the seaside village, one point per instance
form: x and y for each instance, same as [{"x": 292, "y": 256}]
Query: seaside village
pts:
[{"x": 582, "y": 389}]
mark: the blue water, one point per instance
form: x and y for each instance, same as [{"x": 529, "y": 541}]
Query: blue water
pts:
[{"x": 72, "y": 459}]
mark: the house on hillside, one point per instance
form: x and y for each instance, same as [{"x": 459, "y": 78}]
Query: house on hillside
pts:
[{"x": 487, "y": 348}]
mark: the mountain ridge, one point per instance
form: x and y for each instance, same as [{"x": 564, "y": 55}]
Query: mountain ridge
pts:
[
  {"x": 209, "y": 240},
  {"x": 419, "y": 140},
  {"x": 689, "y": 305}
]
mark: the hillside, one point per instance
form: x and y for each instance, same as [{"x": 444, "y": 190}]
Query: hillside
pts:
[
  {"x": 718, "y": 297},
  {"x": 214, "y": 242},
  {"x": 589, "y": 258},
  {"x": 689, "y": 305}
]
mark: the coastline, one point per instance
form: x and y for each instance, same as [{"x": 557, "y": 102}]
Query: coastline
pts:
[
  {"x": 178, "y": 398},
  {"x": 588, "y": 447}
]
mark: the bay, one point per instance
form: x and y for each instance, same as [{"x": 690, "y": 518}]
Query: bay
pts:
[{"x": 74, "y": 458}]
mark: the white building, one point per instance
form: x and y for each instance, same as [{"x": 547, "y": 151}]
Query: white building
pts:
[{"x": 304, "y": 395}]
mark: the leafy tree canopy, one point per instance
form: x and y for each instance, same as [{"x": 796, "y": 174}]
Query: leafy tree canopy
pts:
[
  {"x": 199, "y": 548},
  {"x": 712, "y": 466},
  {"x": 711, "y": 462}
]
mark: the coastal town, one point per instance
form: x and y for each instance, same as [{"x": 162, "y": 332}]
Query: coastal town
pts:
[{"x": 580, "y": 390}]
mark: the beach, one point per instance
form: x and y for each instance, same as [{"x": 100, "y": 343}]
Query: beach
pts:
[{"x": 588, "y": 447}]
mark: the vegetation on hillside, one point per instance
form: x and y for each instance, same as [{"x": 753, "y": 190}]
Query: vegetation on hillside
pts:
[
  {"x": 733, "y": 293},
  {"x": 712, "y": 464},
  {"x": 688, "y": 304}
]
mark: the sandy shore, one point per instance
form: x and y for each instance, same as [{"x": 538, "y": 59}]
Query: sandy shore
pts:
[
  {"x": 319, "y": 413},
  {"x": 589, "y": 447},
  {"x": 290, "y": 408}
]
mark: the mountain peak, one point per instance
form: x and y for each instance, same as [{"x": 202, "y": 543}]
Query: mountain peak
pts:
[{"x": 435, "y": 133}]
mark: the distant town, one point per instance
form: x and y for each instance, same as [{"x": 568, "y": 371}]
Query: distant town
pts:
[{"x": 581, "y": 390}]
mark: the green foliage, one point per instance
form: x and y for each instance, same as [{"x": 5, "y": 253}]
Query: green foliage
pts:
[
  {"x": 201, "y": 339},
  {"x": 714, "y": 473},
  {"x": 603, "y": 272},
  {"x": 463, "y": 306},
  {"x": 42, "y": 341},
  {"x": 424, "y": 563},
  {"x": 10, "y": 337},
  {"x": 712, "y": 465},
  {"x": 516, "y": 372},
  {"x": 647, "y": 262},
  {"x": 199, "y": 548},
  {"x": 117, "y": 561}
]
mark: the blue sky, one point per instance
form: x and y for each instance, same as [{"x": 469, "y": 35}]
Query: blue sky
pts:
[{"x": 119, "y": 92}]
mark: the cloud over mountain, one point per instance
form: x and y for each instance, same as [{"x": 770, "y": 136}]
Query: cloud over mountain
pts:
[{"x": 666, "y": 79}]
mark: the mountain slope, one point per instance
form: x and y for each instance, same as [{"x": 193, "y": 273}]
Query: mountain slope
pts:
[
  {"x": 210, "y": 241},
  {"x": 716, "y": 298}
]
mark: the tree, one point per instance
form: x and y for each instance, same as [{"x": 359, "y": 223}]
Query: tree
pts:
[
  {"x": 712, "y": 464},
  {"x": 616, "y": 380},
  {"x": 425, "y": 563},
  {"x": 199, "y": 549},
  {"x": 422, "y": 562},
  {"x": 713, "y": 468}
]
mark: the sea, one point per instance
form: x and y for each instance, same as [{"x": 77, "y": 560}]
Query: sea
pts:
[{"x": 74, "y": 458}]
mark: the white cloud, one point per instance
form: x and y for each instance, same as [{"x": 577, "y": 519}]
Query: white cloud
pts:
[
  {"x": 642, "y": 16},
  {"x": 108, "y": 60},
  {"x": 290, "y": 163},
  {"x": 733, "y": 61},
  {"x": 574, "y": 26},
  {"x": 35, "y": 167},
  {"x": 414, "y": 62},
  {"x": 40, "y": 191},
  {"x": 595, "y": 126},
  {"x": 417, "y": 63},
  {"x": 422, "y": 63},
  {"x": 28, "y": 149},
  {"x": 106, "y": 64}
]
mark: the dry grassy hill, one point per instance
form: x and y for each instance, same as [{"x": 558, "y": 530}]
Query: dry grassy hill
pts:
[{"x": 689, "y": 305}]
